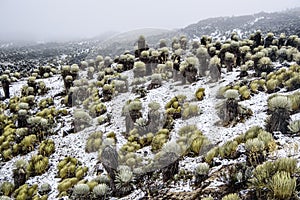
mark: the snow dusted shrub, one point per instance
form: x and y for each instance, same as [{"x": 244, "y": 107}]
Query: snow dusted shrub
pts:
[
  {"x": 229, "y": 61},
  {"x": 156, "y": 81},
  {"x": 168, "y": 162},
  {"x": 189, "y": 69},
  {"x": 6, "y": 188},
  {"x": 244, "y": 71},
  {"x": 108, "y": 91},
  {"x": 66, "y": 167},
  {"x": 82, "y": 119},
  {"x": 203, "y": 57},
  {"x": 201, "y": 173},
  {"x": 296, "y": 58},
  {"x": 190, "y": 110},
  {"x": 294, "y": 127},
  {"x": 282, "y": 185},
  {"x": 275, "y": 179},
  {"x": 139, "y": 69},
  {"x": 255, "y": 149},
  {"x": 37, "y": 165},
  {"x": 97, "y": 109},
  {"x": 120, "y": 85},
  {"x": 200, "y": 94},
  {"x": 228, "y": 150},
  {"x": 264, "y": 65},
  {"x": 191, "y": 140},
  {"x": 231, "y": 105},
  {"x": 160, "y": 139},
  {"x": 244, "y": 92},
  {"x": 279, "y": 107},
  {"x": 81, "y": 191},
  {"x": 293, "y": 83},
  {"x": 47, "y": 147},
  {"x": 44, "y": 189},
  {"x": 100, "y": 191},
  {"x": 215, "y": 68},
  {"x": 94, "y": 142},
  {"x": 272, "y": 85},
  {"x": 28, "y": 142},
  {"x": 5, "y": 81},
  {"x": 232, "y": 196},
  {"x": 20, "y": 174},
  {"x": 173, "y": 107},
  {"x": 26, "y": 191},
  {"x": 124, "y": 180}
]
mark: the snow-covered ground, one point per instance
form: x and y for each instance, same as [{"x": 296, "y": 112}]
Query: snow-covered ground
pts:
[{"x": 74, "y": 144}]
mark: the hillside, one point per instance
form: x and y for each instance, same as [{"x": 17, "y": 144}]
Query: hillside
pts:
[
  {"x": 209, "y": 119},
  {"x": 278, "y": 22}
]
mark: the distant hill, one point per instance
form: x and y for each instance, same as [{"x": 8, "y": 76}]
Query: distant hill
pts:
[
  {"x": 278, "y": 22},
  {"x": 120, "y": 42},
  {"x": 287, "y": 21}
]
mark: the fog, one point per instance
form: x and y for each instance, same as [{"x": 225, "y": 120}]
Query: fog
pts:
[{"x": 70, "y": 19}]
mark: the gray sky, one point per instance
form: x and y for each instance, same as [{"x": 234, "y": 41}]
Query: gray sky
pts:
[{"x": 68, "y": 19}]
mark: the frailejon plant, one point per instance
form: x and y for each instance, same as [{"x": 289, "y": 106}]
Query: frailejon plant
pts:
[
  {"x": 94, "y": 142},
  {"x": 81, "y": 191},
  {"x": 275, "y": 179},
  {"x": 200, "y": 93},
  {"x": 201, "y": 173},
  {"x": 215, "y": 68},
  {"x": 124, "y": 178},
  {"x": 47, "y": 147},
  {"x": 229, "y": 61},
  {"x": 231, "y": 105},
  {"x": 110, "y": 161},
  {"x": 279, "y": 107},
  {"x": 38, "y": 164},
  {"x": 294, "y": 127},
  {"x": 6, "y": 188},
  {"x": 203, "y": 58},
  {"x": 282, "y": 185},
  {"x": 255, "y": 150},
  {"x": 26, "y": 192},
  {"x": 232, "y": 196},
  {"x": 5, "y": 81},
  {"x": 100, "y": 191}
]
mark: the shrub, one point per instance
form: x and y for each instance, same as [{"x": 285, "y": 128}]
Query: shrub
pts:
[
  {"x": 100, "y": 190},
  {"x": 94, "y": 142},
  {"x": 200, "y": 93},
  {"x": 190, "y": 110},
  {"x": 7, "y": 188},
  {"x": 47, "y": 147},
  {"x": 81, "y": 191},
  {"x": 139, "y": 69},
  {"x": 279, "y": 107},
  {"x": 266, "y": 176},
  {"x": 294, "y": 127},
  {"x": 231, "y": 197},
  {"x": 282, "y": 185},
  {"x": 124, "y": 179},
  {"x": 38, "y": 164}
]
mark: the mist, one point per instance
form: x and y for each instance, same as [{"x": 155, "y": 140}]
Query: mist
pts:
[{"x": 50, "y": 20}]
